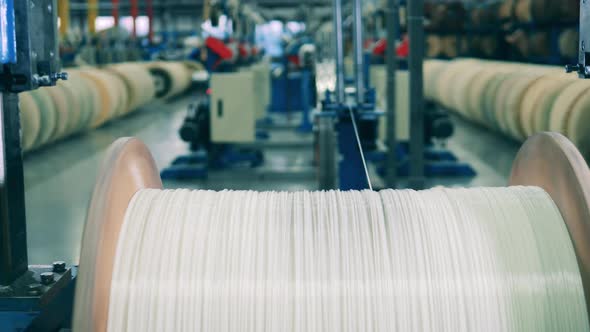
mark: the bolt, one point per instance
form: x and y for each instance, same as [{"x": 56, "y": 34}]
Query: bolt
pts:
[
  {"x": 583, "y": 46},
  {"x": 571, "y": 68},
  {"x": 59, "y": 267},
  {"x": 47, "y": 278},
  {"x": 34, "y": 289},
  {"x": 49, "y": 8},
  {"x": 60, "y": 76},
  {"x": 6, "y": 291}
]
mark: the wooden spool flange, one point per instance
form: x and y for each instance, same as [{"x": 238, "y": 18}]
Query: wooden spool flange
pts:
[{"x": 552, "y": 162}]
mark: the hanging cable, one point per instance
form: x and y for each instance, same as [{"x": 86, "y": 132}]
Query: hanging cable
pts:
[{"x": 360, "y": 146}]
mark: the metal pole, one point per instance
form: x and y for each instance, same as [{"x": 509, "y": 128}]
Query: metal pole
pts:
[
  {"x": 92, "y": 15},
  {"x": 358, "y": 52},
  {"x": 339, "y": 49},
  {"x": 134, "y": 14},
  {"x": 415, "y": 63},
  {"x": 13, "y": 227},
  {"x": 149, "y": 9},
  {"x": 115, "y": 12},
  {"x": 63, "y": 10},
  {"x": 392, "y": 21},
  {"x": 327, "y": 153}
]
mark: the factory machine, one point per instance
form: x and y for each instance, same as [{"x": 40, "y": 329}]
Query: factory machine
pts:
[
  {"x": 32, "y": 297},
  {"x": 220, "y": 126},
  {"x": 438, "y": 127},
  {"x": 293, "y": 84}
]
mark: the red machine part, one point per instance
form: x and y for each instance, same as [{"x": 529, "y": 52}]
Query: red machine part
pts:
[
  {"x": 220, "y": 48},
  {"x": 115, "y": 12},
  {"x": 149, "y": 8},
  {"x": 402, "y": 51},
  {"x": 134, "y": 14}
]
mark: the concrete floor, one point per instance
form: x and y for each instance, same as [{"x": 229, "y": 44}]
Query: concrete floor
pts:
[{"x": 59, "y": 179}]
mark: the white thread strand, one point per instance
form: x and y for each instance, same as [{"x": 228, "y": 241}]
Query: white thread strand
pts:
[{"x": 490, "y": 259}]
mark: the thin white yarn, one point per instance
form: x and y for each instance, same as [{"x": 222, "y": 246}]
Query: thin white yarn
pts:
[{"x": 492, "y": 259}]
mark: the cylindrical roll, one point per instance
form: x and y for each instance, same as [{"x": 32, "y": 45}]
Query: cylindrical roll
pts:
[
  {"x": 559, "y": 117},
  {"x": 138, "y": 82},
  {"x": 171, "y": 78},
  {"x": 62, "y": 107},
  {"x": 48, "y": 116},
  {"x": 30, "y": 120}
]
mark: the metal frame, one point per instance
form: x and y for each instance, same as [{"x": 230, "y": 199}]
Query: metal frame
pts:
[
  {"x": 392, "y": 14},
  {"x": 31, "y": 297},
  {"x": 415, "y": 65}
]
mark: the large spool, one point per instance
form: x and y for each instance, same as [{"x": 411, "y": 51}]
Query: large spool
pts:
[
  {"x": 515, "y": 99},
  {"x": 171, "y": 78},
  {"x": 138, "y": 83},
  {"x": 48, "y": 116},
  {"x": 547, "y": 160},
  {"x": 30, "y": 120}
]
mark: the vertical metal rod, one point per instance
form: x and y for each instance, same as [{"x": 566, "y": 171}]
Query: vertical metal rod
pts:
[
  {"x": 339, "y": 50},
  {"x": 13, "y": 227},
  {"x": 392, "y": 22},
  {"x": 92, "y": 15},
  {"x": 134, "y": 14},
  {"x": 115, "y": 12},
  {"x": 327, "y": 153},
  {"x": 415, "y": 64},
  {"x": 63, "y": 10},
  {"x": 360, "y": 147},
  {"x": 149, "y": 9},
  {"x": 358, "y": 52}
]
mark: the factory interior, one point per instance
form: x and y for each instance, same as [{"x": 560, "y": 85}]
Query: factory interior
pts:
[{"x": 282, "y": 165}]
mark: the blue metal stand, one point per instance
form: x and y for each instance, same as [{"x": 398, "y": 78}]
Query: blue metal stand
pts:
[
  {"x": 438, "y": 163},
  {"x": 191, "y": 166},
  {"x": 306, "y": 125},
  {"x": 196, "y": 166}
]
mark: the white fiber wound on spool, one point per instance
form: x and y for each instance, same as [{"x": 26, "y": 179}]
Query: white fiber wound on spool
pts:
[
  {"x": 563, "y": 105},
  {"x": 443, "y": 259}
]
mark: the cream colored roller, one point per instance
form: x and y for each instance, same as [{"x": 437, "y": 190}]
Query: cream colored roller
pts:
[
  {"x": 48, "y": 117},
  {"x": 75, "y": 108},
  {"x": 30, "y": 120},
  {"x": 539, "y": 99},
  {"x": 171, "y": 78},
  {"x": 432, "y": 70},
  {"x": 62, "y": 106},
  {"x": 477, "y": 87},
  {"x": 139, "y": 84},
  {"x": 516, "y": 99},
  {"x": 567, "y": 100},
  {"x": 111, "y": 101},
  {"x": 510, "y": 119},
  {"x": 448, "y": 78}
]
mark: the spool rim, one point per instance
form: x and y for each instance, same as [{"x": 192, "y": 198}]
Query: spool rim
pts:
[
  {"x": 552, "y": 162},
  {"x": 127, "y": 168}
]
